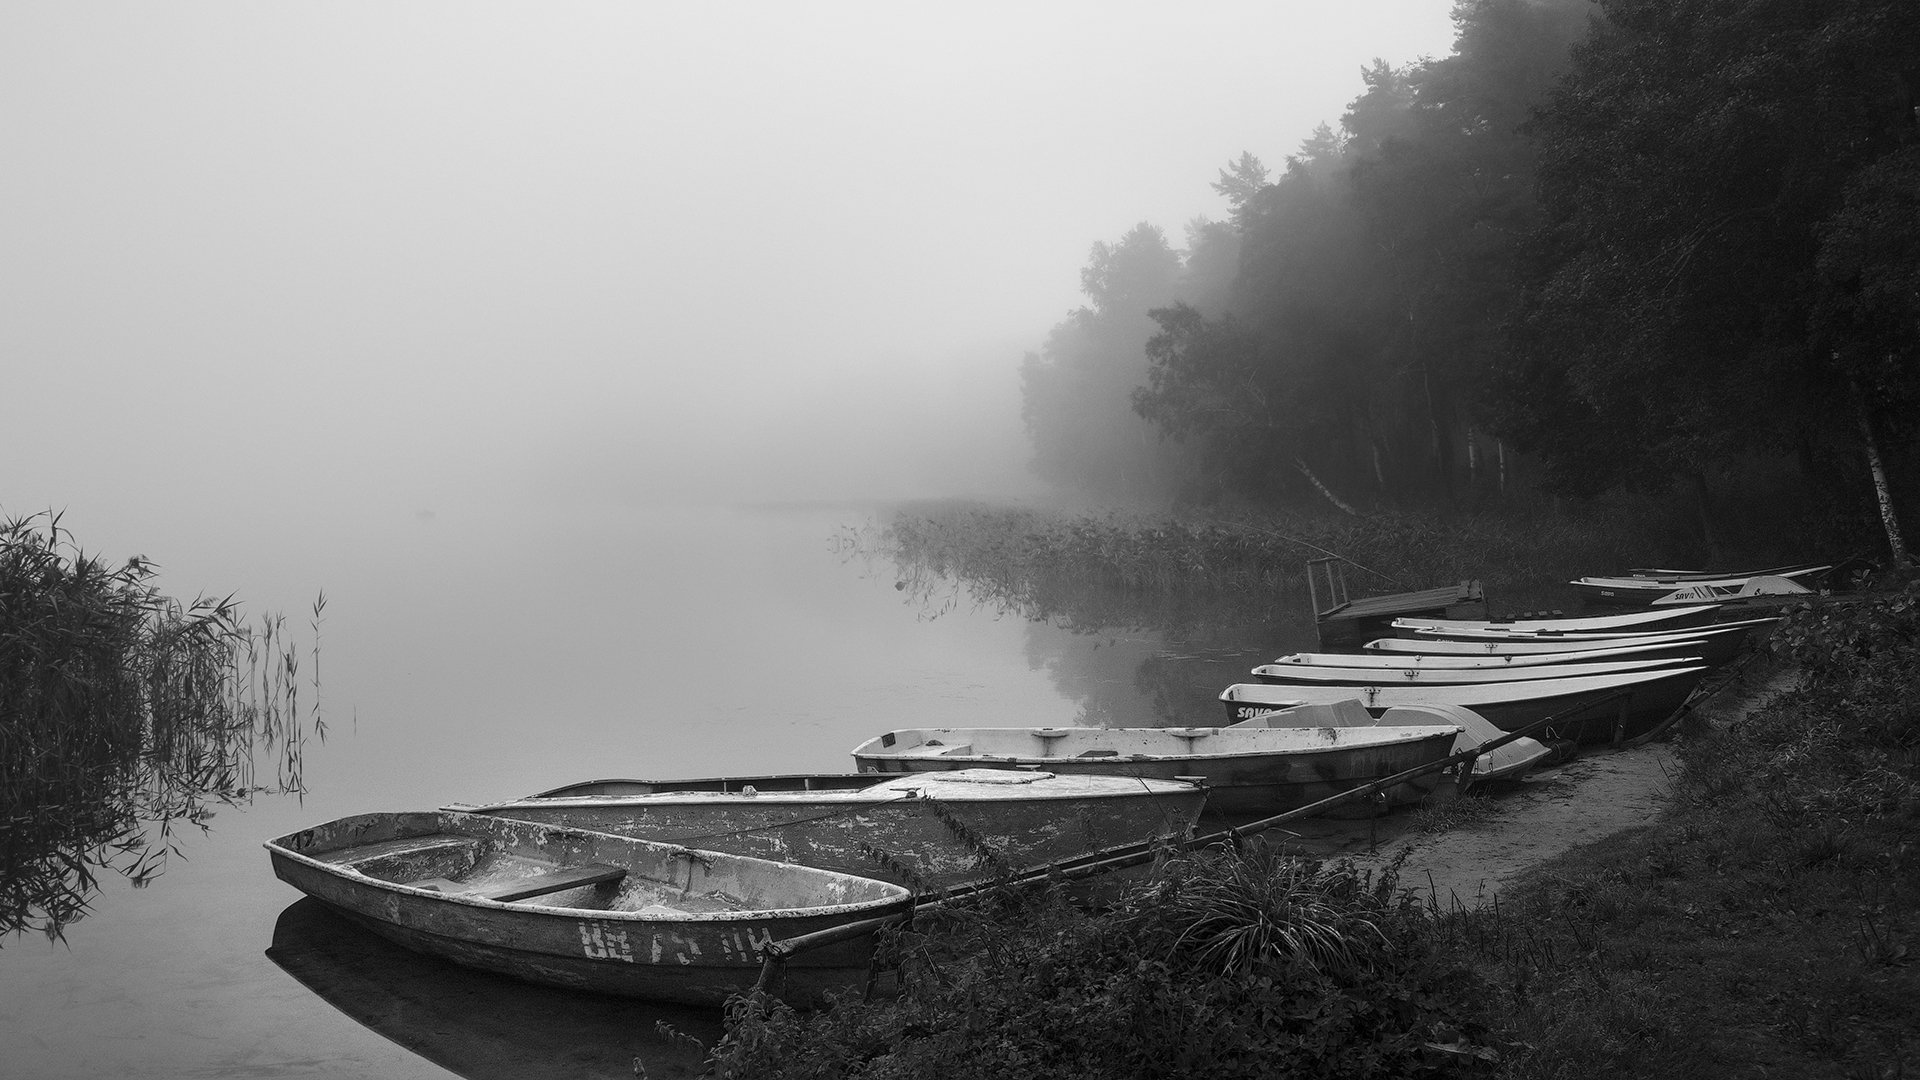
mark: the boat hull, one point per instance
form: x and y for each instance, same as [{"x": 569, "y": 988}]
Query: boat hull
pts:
[
  {"x": 1508, "y": 762},
  {"x": 1713, "y": 644},
  {"x": 1700, "y": 613},
  {"x": 1480, "y": 659},
  {"x": 1643, "y": 592},
  {"x": 1417, "y": 675},
  {"x": 621, "y": 938},
  {"x": 1242, "y": 773},
  {"x": 955, "y": 829},
  {"x": 1647, "y": 699}
]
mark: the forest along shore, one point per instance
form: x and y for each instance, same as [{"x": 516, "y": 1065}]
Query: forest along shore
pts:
[{"x": 1465, "y": 859}]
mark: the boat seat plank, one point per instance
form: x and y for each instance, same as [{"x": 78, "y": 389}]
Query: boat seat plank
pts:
[
  {"x": 402, "y": 848},
  {"x": 553, "y": 881}
]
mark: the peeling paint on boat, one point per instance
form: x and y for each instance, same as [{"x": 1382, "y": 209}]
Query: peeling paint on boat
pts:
[
  {"x": 1266, "y": 770},
  {"x": 680, "y": 925},
  {"x": 927, "y": 830}
]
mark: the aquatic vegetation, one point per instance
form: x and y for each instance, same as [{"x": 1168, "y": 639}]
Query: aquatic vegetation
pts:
[
  {"x": 1089, "y": 572},
  {"x": 125, "y": 715}
]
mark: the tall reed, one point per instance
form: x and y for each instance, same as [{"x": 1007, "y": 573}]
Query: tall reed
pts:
[{"x": 125, "y": 714}]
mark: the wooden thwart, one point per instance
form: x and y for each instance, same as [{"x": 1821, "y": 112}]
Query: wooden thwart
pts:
[{"x": 553, "y": 881}]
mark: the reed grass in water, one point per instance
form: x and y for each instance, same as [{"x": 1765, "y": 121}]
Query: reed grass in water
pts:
[
  {"x": 126, "y": 714},
  {"x": 1090, "y": 571}
]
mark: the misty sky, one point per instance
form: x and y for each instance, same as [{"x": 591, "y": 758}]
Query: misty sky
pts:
[{"x": 373, "y": 256}]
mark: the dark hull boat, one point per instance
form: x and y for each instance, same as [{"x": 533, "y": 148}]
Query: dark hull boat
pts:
[
  {"x": 1635, "y": 702},
  {"x": 1244, "y": 771},
  {"x": 583, "y": 910},
  {"x": 926, "y": 830}
]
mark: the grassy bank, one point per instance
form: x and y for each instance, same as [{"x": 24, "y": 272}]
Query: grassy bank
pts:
[{"x": 1765, "y": 926}]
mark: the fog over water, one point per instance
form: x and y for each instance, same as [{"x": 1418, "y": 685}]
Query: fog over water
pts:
[
  {"x": 266, "y": 263},
  {"x": 488, "y": 319}
]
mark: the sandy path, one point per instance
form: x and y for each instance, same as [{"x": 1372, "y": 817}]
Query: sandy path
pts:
[
  {"x": 1599, "y": 793},
  {"x": 1592, "y": 797}
]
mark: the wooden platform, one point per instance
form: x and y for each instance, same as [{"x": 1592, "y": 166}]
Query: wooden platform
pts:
[{"x": 1353, "y": 623}]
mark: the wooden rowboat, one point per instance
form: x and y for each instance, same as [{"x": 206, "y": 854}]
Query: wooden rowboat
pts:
[
  {"x": 1387, "y": 671},
  {"x": 1244, "y": 771},
  {"x": 1671, "y": 618},
  {"x": 1636, "y": 701},
  {"x": 925, "y": 830},
  {"x": 579, "y": 909},
  {"x": 1508, "y": 762}
]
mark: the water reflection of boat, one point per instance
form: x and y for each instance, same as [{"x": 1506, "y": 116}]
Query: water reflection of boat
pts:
[
  {"x": 929, "y": 830},
  {"x": 582, "y": 909},
  {"x": 479, "y": 1025}
]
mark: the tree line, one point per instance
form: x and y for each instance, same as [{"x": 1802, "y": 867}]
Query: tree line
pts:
[{"x": 1619, "y": 244}]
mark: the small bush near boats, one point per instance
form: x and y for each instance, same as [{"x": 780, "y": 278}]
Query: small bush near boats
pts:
[
  {"x": 1232, "y": 964},
  {"x": 123, "y": 714}
]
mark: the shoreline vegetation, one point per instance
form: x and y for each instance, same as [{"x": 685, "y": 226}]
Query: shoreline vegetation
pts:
[
  {"x": 1764, "y": 925},
  {"x": 1095, "y": 571},
  {"x": 126, "y": 715}
]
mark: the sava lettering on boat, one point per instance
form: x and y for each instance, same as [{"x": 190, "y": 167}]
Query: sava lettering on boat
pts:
[
  {"x": 1249, "y": 712},
  {"x": 604, "y": 941}
]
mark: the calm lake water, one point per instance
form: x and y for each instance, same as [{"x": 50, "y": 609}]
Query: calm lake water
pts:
[{"x": 472, "y": 658}]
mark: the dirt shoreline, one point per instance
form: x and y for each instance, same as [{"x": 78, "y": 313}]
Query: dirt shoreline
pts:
[{"x": 1599, "y": 793}]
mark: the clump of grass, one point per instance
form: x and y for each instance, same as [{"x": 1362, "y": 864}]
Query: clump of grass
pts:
[
  {"x": 125, "y": 714},
  {"x": 1234, "y": 964},
  {"x": 1464, "y": 812}
]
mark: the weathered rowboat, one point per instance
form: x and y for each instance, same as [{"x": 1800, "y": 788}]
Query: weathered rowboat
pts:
[
  {"x": 1641, "y": 591},
  {"x": 580, "y": 909},
  {"x": 1507, "y": 762},
  {"x": 926, "y": 830},
  {"x": 1577, "y": 653},
  {"x": 1244, "y": 771},
  {"x": 1640, "y": 700},
  {"x": 1672, "y": 618},
  {"x": 1388, "y": 671}
]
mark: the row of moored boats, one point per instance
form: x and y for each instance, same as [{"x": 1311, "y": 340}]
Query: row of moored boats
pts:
[{"x": 674, "y": 890}]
